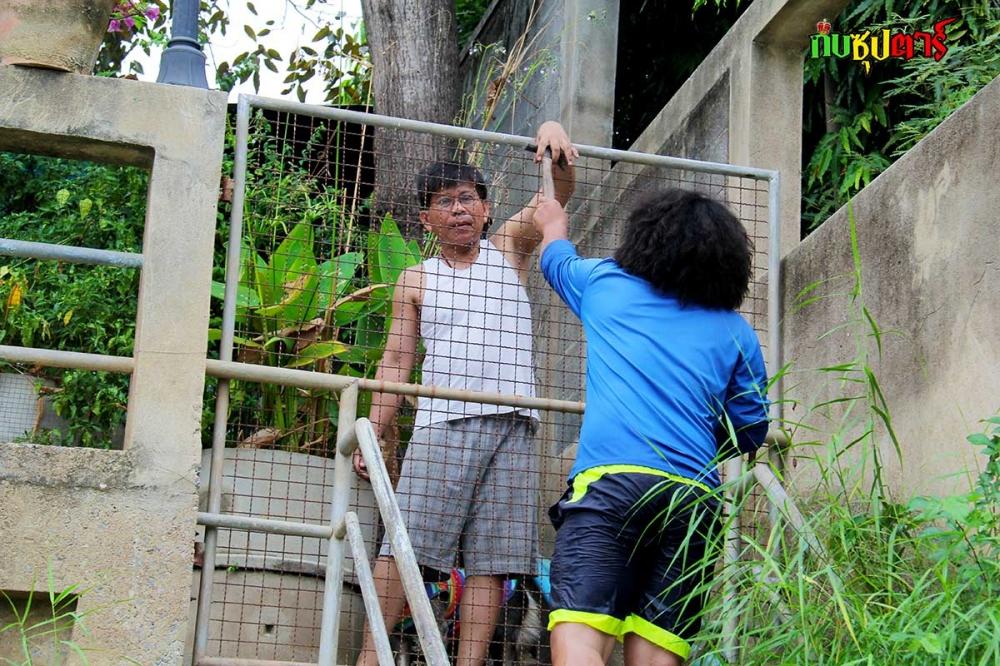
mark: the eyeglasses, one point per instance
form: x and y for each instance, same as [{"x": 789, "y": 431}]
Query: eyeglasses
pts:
[{"x": 446, "y": 203}]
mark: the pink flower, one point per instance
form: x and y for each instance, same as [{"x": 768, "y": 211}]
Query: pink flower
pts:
[
  {"x": 152, "y": 12},
  {"x": 130, "y": 22},
  {"x": 114, "y": 25}
]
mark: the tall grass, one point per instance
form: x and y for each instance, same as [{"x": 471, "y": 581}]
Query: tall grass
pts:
[{"x": 893, "y": 581}]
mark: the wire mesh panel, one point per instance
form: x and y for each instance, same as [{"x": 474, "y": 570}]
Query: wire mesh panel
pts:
[{"x": 410, "y": 257}]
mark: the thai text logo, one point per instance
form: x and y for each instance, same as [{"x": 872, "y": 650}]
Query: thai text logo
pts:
[{"x": 865, "y": 46}]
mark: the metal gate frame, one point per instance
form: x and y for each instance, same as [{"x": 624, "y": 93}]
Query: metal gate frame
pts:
[{"x": 358, "y": 433}]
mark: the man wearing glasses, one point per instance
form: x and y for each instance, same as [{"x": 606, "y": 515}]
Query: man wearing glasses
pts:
[{"x": 469, "y": 481}]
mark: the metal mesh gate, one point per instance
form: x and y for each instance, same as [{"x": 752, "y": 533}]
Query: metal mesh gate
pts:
[{"x": 326, "y": 221}]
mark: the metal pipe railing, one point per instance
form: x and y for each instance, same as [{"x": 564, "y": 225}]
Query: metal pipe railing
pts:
[
  {"x": 222, "y": 391},
  {"x": 55, "y": 358},
  {"x": 730, "y": 555},
  {"x": 234, "y": 661},
  {"x": 402, "y": 550},
  {"x": 306, "y": 379},
  {"x": 253, "y": 524},
  {"x": 322, "y": 381},
  {"x": 452, "y": 132},
  {"x": 362, "y": 569},
  {"x": 69, "y": 253},
  {"x": 343, "y": 483}
]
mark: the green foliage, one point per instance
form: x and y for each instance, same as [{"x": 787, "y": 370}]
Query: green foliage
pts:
[
  {"x": 336, "y": 55},
  {"x": 37, "y": 636},
  {"x": 118, "y": 46},
  {"x": 468, "y": 13},
  {"x": 30, "y": 635},
  {"x": 314, "y": 290},
  {"x": 67, "y": 306},
  {"x": 857, "y": 124},
  {"x": 867, "y": 579}
]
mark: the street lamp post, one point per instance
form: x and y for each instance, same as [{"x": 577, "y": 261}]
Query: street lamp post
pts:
[{"x": 183, "y": 62}]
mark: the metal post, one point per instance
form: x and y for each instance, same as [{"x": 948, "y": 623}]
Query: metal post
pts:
[
  {"x": 452, "y": 132},
  {"x": 343, "y": 482},
  {"x": 222, "y": 391},
  {"x": 364, "y": 572},
  {"x": 183, "y": 62},
  {"x": 778, "y": 497},
  {"x": 775, "y": 454}
]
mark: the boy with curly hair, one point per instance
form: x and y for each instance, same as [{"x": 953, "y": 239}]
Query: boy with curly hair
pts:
[{"x": 675, "y": 383}]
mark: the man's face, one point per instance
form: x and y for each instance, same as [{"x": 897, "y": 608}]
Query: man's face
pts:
[{"x": 456, "y": 215}]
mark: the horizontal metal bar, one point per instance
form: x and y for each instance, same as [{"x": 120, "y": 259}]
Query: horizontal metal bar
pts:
[
  {"x": 251, "y": 524},
  {"x": 287, "y": 106},
  {"x": 266, "y": 374},
  {"x": 323, "y": 381},
  {"x": 54, "y": 358},
  {"x": 302, "y": 379},
  {"x": 69, "y": 253},
  {"x": 235, "y": 661}
]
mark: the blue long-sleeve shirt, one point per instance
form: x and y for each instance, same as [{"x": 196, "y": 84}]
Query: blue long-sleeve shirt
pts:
[{"x": 666, "y": 382}]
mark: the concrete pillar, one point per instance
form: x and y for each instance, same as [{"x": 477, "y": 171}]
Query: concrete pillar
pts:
[
  {"x": 766, "y": 101},
  {"x": 589, "y": 57},
  {"x": 121, "y": 524}
]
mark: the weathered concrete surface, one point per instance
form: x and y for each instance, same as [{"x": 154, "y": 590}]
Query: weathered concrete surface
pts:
[
  {"x": 121, "y": 523},
  {"x": 273, "y": 615},
  {"x": 927, "y": 234},
  {"x": 81, "y": 515},
  {"x": 761, "y": 57}
]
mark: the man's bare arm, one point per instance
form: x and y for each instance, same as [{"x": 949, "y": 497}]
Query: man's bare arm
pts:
[
  {"x": 400, "y": 352},
  {"x": 517, "y": 237}
]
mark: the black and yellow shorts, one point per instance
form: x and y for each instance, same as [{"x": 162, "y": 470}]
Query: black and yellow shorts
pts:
[{"x": 635, "y": 550}]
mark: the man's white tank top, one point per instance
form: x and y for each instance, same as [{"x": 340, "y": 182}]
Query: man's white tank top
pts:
[{"x": 476, "y": 328}]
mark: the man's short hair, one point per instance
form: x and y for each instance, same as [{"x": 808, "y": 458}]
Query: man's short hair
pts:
[
  {"x": 442, "y": 175},
  {"x": 689, "y": 246}
]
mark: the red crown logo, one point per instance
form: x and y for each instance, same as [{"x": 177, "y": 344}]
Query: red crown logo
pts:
[{"x": 823, "y": 27}]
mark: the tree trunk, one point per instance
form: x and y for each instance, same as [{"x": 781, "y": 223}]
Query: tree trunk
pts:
[{"x": 414, "y": 51}]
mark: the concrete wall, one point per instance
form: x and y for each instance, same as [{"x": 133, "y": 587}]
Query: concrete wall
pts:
[
  {"x": 562, "y": 56},
  {"x": 927, "y": 235},
  {"x": 121, "y": 524}
]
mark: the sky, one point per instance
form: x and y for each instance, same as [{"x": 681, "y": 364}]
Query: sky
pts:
[{"x": 292, "y": 27}]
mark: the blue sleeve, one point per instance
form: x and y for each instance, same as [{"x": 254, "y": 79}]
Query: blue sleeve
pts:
[
  {"x": 746, "y": 399},
  {"x": 567, "y": 272}
]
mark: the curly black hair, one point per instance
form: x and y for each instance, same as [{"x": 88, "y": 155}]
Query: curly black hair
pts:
[
  {"x": 442, "y": 175},
  {"x": 690, "y": 246}
]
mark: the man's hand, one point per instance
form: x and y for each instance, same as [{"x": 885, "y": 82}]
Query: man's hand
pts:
[
  {"x": 388, "y": 457},
  {"x": 552, "y": 135},
  {"x": 360, "y": 468}
]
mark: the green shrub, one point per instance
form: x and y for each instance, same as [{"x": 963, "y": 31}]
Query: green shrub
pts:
[{"x": 66, "y": 306}]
